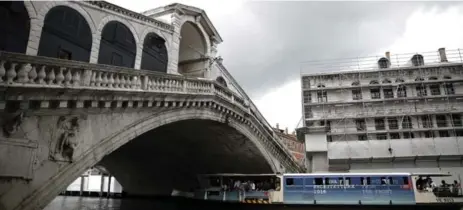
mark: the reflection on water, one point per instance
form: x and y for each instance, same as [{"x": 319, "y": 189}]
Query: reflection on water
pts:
[{"x": 88, "y": 203}]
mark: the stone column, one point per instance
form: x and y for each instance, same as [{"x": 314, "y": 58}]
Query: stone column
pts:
[
  {"x": 109, "y": 186},
  {"x": 102, "y": 185}
]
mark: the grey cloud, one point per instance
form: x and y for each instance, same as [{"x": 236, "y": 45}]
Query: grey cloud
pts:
[{"x": 264, "y": 46}]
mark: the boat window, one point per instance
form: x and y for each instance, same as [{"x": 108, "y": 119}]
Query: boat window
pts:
[
  {"x": 289, "y": 181},
  {"x": 405, "y": 179},
  {"x": 318, "y": 181},
  {"x": 348, "y": 181},
  {"x": 390, "y": 182},
  {"x": 383, "y": 181},
  {"x": 212, "y": 193},
  {"x": 365, "y": 181},
  {"x": 327, "y": 181},
  {"x": 341, "y": 181}
]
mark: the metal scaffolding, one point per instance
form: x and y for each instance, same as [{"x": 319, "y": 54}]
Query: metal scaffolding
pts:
[{"x": 415, "y": 90}]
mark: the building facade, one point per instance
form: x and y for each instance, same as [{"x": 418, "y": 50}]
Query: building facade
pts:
[
  {"x": 396, "y": 113},
  {"x": 295, "y": 147}
]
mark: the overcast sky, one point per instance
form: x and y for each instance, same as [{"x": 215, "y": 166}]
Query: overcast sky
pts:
[{"x": 265, "y": 41}]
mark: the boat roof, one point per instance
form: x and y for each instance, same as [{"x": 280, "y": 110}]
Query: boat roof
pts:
[
  {"x": 334, "y": 174},
  {"x": 231, "y": 174}
]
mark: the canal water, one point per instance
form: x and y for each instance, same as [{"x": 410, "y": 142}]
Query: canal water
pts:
[{"x": 93, "y": 203}]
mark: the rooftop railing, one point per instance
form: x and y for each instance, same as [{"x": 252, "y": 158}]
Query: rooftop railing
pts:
[{"x": 383, "y": 63}]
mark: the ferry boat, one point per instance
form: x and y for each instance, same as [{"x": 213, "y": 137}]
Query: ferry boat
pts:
[{"x": 326, "y": 188}]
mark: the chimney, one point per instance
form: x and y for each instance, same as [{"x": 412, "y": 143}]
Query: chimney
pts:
[
  {"x": 388, "y": 55},
  {"x": 443, "y": 56},
  {"x": 278, "y": 126},
  {"x": 286, "y": 130}
]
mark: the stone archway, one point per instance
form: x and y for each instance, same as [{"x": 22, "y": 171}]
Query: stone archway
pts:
[
  {"x": 66, "y": 35},
  {"x": 192, "y": 59},
  {"x": 15, "y": 26},
  {"x": 49, "y": 181},
  {"x": 155, "y": 54},
  {"x": 117, "y": 46}
]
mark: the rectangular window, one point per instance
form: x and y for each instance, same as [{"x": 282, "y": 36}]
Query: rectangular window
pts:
[
  {"x": 348, "y": 181},
  {"x": 381, "y": 136},
  {"x": 379, "y": 124},
  {"x": 441, "y": 121},
  {"x": 362, "y": 137},
  {"x": 307, "y": 97},
  {"x": 406, "y": 122},
  {"x": 388, "y": 93},
  {"x": 427, "y": 121},
  {"x": 405, "y": 180},
  {"x": 421, "y": 90},
  {"x": 401, "y": 92},
  {"x": 361, "y": 125},
  {"x": 459, "y": 133},
  {"x": 393, "y": 124},
  {"x": 444, "y": 134},
  {"x": 456, "y": 119},
  {"x": 375, "y": 94},
  {"x": 308, "y": 112},
  {"x": 356, "y": 94},
  {"x": 318, "y": 181},
  {"x": 289, "y": 181},
  {"x": 321, "y": 96},
  {"x": 365, "y": 181},
  {"x": 394, "y": 136},
  {"x": 448, "y": 88},
  {"x": 428, "y": 134},
  {"x": 408, "y": 135},
  {"x": 435, "y": 89}
]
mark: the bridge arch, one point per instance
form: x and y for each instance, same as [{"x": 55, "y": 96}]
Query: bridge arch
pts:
[
  {"x": 51, "y": 186},
  {"x": 193, "y": 47},
  {"x": 66, "y": 34},
  {"x": 118, "y": 45},
  {"x": 15, "y": 26},
  {"x": 155, "y": 55}
]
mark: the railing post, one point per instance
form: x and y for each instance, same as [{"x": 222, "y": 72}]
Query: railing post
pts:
[
  {"x": 184, "y": 85},
  {"x": 86, "y": 77},
  {"x": 144, "y": 82}
]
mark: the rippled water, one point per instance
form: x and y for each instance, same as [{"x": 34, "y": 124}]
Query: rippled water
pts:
[{"x": 87, "y": 203}]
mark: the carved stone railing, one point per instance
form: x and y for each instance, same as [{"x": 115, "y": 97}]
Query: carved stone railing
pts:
[
  {"x": 19, "y": 70},
  {"x": 253, "y": 109},
  {"x": 129, "y": 13}
]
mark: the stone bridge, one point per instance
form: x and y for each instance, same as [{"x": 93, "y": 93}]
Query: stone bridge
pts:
[{"x": 91, "y": 83}]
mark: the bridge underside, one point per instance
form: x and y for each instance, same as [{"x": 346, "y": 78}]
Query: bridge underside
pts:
[{"x": 172, "y": 155}]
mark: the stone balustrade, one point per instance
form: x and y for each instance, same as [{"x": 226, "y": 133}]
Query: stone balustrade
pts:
[{"x": 19, "y": 70}]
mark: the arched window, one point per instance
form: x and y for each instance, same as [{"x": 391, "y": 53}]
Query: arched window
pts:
[
  {"x": 432, "y": 78},
  {"x": 417, "y": 60},
  {"x": 399, "y": 80},
  {"x": 355, "y": 83},
  {"x": 419, "y": 79},
  {"x": 15, "y": 26},
  {"x": 383, "y": 63},
  {"x": 386, "y": 81},
  {"x": 221, "y": 80},
  {"x": 154, "y": 55},
  {"x": 374, "y": 82},
  {"x": 117, "y": 46},
  {"x": 66, "y": 35},
  {"x": 447, "y": 77},
  {"x": 320, "y": 85}
]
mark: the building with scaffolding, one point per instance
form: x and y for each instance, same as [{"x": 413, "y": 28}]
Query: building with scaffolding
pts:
[{"x": 394, "y": 113}]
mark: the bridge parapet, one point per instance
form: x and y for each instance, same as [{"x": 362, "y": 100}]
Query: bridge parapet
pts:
[{"x": 34, "y": 72}]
